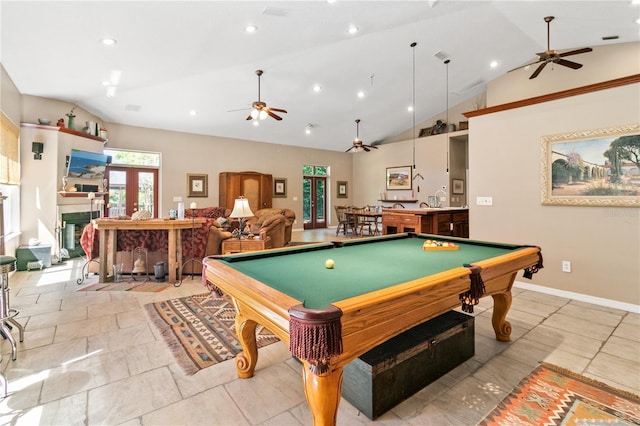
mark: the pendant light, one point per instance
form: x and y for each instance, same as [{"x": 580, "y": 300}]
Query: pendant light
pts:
[
  {"x": 447, "y": 126},
  {"x": 446, "y": 62}
]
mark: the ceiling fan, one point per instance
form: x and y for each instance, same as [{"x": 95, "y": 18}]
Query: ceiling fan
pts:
[
  {"x": 259, "y": 109},
  {"x": 553, "y": 56},
  {"x": 358, "y": 146}
]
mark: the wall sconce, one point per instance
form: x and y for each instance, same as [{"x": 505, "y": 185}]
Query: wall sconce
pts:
[{"x": 37, "y": 148}]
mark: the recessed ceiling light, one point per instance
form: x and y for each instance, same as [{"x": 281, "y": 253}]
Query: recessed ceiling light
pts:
[
  {"x": 251, "y": 29},
  {"x": 193, "y": 112},
  {"x": 331, "y": 1},
  {"x": 109, "y": 41},
  {"x": 410, "y": 108},
  {"x": 317, "y": 88},
  {"x": 361, "y": 94},
  {"x": 307, "y": 128},
  {"x": 635, "y": 2},
  {"x": 493, "y": 64},
  {"x": 353, "y": 29},
  {"x": 111, "y": 91}
]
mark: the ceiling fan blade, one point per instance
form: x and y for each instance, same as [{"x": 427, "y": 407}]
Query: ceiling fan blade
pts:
[
  {"x": 525, "y": 65},
  {"x": 372, "y": 146},
  {"x": 537, "y": 71},
  {"x": 570, "y": 64},
  {"x": 350, "y": 149},
  {"x": 278, "y": 110},
  {"x": 249, "y": 117},
  {"x": 366, "y": 148},
  {"x": 272, "y": 114},
  {"x": 576, "y": 52}
]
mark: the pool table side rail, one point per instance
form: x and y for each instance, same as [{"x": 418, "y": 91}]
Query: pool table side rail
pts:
[
  {"x": 268, "y": 307},
  {"x": 371, "y": 319}
]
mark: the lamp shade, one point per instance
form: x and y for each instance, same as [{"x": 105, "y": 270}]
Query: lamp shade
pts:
[{"x": 241, "y": 208}]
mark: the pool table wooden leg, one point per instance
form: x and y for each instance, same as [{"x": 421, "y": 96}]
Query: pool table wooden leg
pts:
[
  {"x": 501, "y": 305},
  {"x": 247, "y": 359},
  {"x": 323, "y": 394}
]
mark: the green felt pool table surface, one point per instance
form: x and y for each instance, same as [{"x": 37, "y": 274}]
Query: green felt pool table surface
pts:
[{"x": 361, "y": 266}]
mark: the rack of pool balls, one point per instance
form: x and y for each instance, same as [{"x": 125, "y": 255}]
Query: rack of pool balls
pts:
[{"x": 434, "y": 245}]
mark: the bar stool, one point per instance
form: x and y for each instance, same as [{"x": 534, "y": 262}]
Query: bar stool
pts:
[{"x": 8, "y": 264}]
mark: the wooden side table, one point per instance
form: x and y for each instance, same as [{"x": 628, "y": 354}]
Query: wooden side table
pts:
[{"x": 234, "y": 245}]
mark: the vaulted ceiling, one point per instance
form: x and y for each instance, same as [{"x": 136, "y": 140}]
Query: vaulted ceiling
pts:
[{"x": 174, "y": 57}]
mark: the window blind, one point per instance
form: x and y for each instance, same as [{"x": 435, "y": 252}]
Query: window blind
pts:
[{"x": 9, "y": 152}]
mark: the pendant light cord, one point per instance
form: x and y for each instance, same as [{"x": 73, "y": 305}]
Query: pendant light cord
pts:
[{"x": 413, "y": 104}]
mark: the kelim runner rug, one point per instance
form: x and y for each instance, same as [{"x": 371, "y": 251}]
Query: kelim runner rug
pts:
[
  {"x": 551, "y": 395},
  {"x": 200, "y": 330}
]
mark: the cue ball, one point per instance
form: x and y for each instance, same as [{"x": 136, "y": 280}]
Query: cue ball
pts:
[{"x": 329, "y": 263}]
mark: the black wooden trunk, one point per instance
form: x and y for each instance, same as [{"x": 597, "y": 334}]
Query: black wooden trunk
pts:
[{"x": 393, "y": 371}]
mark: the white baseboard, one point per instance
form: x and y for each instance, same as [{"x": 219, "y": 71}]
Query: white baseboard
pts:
[{"x": 581, "y": 297}]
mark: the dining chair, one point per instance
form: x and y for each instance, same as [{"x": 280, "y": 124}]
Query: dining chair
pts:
[{"x": 345, "y": 220}]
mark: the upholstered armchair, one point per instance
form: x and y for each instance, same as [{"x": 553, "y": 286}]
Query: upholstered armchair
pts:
[
  {"x": 269, "y": 225},
  {"x": 216, "y": 236},
  {"x": 289, "y": 218}
]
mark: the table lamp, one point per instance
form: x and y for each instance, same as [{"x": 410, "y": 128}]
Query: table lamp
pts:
[{"x": 241, "y": 211}]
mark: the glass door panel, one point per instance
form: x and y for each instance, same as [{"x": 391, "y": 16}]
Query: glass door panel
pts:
[{"x": 132, "y": 189}]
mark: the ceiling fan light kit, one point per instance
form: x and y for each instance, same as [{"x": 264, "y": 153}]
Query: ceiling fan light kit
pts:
[
  {"x": 358, "y": 146},
  {"x": 260, "y": 110}
]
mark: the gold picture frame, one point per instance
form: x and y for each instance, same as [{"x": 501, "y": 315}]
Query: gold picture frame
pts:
[
  {"x": 197, "y": 185},
  {"x": 595, "y": 167},
  {"x": 399, "y": 178}
]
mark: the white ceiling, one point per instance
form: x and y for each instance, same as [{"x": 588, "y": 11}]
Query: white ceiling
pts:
[{"x": 177, "y": 56}]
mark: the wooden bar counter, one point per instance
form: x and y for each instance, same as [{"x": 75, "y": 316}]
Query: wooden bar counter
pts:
[
  {"x": 109, "y": 236},
  {"x": 447, "y": 221}
]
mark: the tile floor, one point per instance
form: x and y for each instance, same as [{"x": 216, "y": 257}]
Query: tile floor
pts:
[{"x": 92, "y": 358}]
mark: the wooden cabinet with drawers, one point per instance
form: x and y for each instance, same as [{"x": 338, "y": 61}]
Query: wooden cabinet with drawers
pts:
[{"x": 447, "y": 222}]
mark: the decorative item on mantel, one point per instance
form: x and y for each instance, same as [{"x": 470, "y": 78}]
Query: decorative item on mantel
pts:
[{"x": 72, "y": 116}]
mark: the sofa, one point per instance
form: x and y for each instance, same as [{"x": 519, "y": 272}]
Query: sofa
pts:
[
  {"x": 207, "y": 240},
  {"x": 273, "y": 222}
]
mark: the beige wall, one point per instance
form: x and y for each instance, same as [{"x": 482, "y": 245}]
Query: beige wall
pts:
[
  {"x": 602, "y": 243},
  {"x": 184, "y": 153}
]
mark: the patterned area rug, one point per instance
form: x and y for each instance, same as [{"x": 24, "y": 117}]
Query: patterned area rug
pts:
[
  {"x": 152, "y": 287},
  {"x": 551, "y": 395},
  {"x": 200, "y": 330}
]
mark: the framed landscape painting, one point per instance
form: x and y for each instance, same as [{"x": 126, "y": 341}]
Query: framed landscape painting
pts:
[
  {"x": 598, "y": 167},
  {"x": 399, "y": 177}
]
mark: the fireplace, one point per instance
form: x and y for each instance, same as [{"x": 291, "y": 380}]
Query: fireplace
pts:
[{"x": 72, "y": 226}]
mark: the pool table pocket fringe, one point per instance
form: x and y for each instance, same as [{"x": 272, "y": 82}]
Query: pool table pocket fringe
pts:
[
  {"x": 476, "y": 290},
  {"x": 528, "y": 272},
  {"x": 315, "y": 336}
]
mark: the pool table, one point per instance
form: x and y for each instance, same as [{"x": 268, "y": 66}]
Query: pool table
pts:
[{"x": 378, "y": 288}]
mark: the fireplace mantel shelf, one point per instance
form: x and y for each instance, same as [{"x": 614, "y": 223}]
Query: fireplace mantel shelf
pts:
[{"x": 79, "y": 194}]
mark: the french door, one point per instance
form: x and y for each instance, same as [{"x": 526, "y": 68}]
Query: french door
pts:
[
  {"x": 132, "y": 189},
  {"x": 314, "y": 202}
]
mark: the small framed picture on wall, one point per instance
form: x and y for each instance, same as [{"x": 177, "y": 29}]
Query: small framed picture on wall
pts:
[
  {"x": 279, "y": 188},
  {"x": 196, "y": 185},
  {"x": 342, "y": 189}
]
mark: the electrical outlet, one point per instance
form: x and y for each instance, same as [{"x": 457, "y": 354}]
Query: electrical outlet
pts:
[
  {"x": 566, "y": 266},
  {"x": 484, "y": 201},
  {"x": 177, "y": 199}
]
